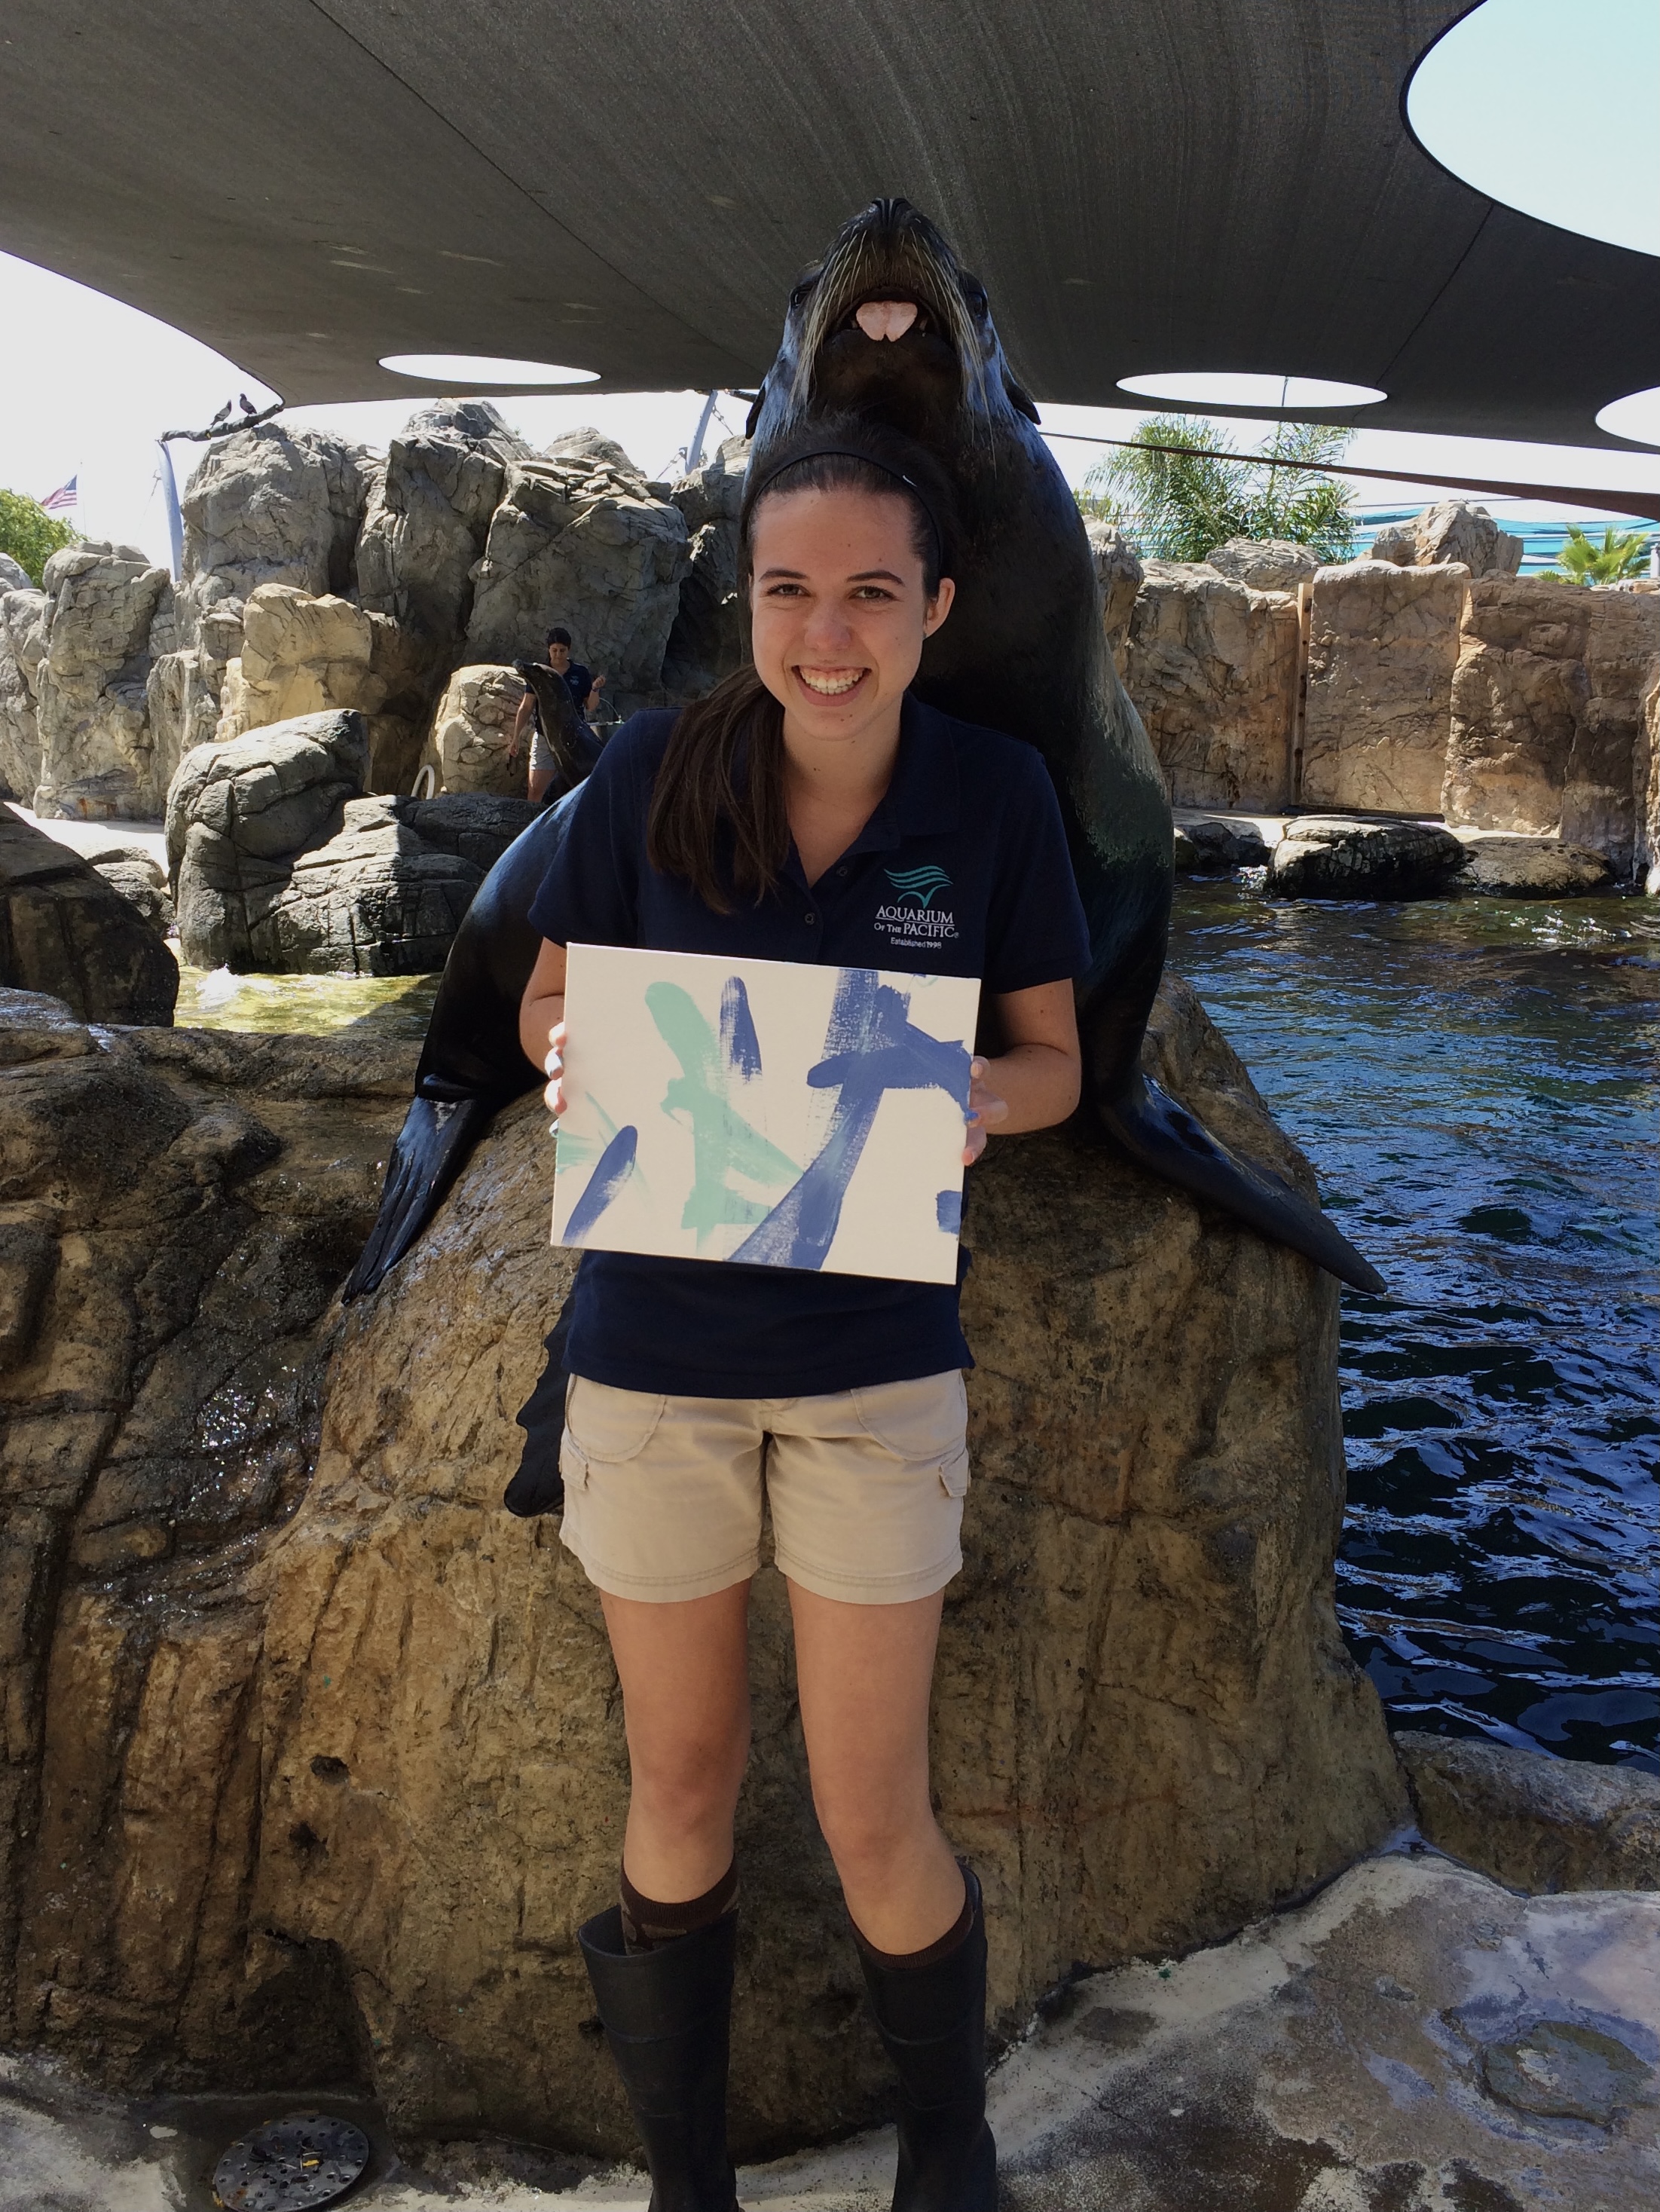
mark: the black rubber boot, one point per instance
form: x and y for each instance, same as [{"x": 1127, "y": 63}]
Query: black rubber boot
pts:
[
  {"x": 932, "y": 2023},
  {"x": 667, "y": 2016}
]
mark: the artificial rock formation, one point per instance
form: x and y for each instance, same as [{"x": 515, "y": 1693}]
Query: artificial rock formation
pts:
[
  {"x": 472, "y": 733},
  {"x": 1267, "y": 564},
  {"x": 14, "y": 576},
  {"x": 1329, "y": 857},
  {"x": 1533, "y": 1822},
  {"x": 1646, "y": 782},
  {"x": 98, "y": 752},
  {"x": 708, "y": 639},
  {"x": 336, "y": 1756},
  {"x": 1548, "y": 713},
  {"x": 1382, "y": 644},
  {"x": 23, "y": 648},
  {"x": 1216, "y": 844},
  {"x": 1211, "y": 666},
  {"x": 1118, "y": 572},
  {"x": 65, "y": 931},
  {"x": 1530, "y": 868},
  {"x": 579, "y": 540},
  {"x": 272, "y": 506},
  {"x": 1451, "y": 531}
]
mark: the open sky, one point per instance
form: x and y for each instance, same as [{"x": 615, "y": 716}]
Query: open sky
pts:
[{"x": 1565, "y": 127}]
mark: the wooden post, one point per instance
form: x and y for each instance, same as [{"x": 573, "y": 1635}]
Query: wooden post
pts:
[{"x": 1299, "y": 701}]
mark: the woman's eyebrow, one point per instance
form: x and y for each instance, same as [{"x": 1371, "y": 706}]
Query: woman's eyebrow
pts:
[
  {"x": 873, "y": 575},
  {"x": 799, "y": 574}
]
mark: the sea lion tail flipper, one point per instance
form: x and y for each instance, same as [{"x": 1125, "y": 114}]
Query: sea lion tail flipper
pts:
[
  {"x": 1159, "y": 1132},
  {"x": 432, "y": 1146}
]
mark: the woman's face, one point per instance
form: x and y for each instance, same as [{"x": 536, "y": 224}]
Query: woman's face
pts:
[{"x": 839, "y": 608}]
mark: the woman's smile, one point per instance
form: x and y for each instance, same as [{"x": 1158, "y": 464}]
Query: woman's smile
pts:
[{"x": 831, "y": 682}]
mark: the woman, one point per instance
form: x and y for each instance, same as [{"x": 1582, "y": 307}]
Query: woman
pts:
[{"x": 772, "y": 819}]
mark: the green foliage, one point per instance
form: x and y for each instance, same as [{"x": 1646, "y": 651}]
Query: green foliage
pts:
[
  {"x": 1622, "y": 553},
  {"x": 1177, "y": 506},
  {"x": 29, "y": 534}
]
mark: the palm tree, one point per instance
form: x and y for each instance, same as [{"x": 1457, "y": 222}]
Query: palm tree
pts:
[
  {"x": 1622, "y": 553},
  {"x": 1176, "y": 505}
]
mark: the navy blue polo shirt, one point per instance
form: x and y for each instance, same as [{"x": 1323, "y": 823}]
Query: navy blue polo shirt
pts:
[{"x": 962, "y": 870}]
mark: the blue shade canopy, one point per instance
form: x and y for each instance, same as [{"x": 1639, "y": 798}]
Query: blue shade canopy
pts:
[{"x": 310, "y": 185}]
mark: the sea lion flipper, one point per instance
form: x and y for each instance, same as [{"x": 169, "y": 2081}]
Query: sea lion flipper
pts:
[
  {"x": 431, "y": 1149},
  {"x": 1159, "y": 1133}
]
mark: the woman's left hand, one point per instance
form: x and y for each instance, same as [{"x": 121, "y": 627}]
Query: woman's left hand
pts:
[{"x": 986, "y": 1111}]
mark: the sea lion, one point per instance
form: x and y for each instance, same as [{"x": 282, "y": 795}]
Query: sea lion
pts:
[{"x": 890, "y": 326}]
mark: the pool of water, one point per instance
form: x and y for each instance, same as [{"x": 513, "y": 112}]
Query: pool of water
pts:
[
  {"x": 389, "y": 1005},
  {"x": 1476, "y": 1083}
]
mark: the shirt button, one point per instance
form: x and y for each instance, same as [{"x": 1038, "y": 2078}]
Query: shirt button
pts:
[
  {"x": 810, "y": 919},
  {"x": 841, "y": 871}
]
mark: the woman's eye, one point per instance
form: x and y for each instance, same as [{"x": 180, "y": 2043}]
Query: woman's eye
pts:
[{"x": 872, "y": 591}]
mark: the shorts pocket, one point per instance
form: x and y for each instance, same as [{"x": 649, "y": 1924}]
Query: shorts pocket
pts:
[
  {"x": 954, "y": 1476},
  {"x": 607, "y": 1424},
  {"x": 921, "y": 1421}
]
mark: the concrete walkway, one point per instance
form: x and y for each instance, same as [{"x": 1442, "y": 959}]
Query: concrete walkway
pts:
[
  {"x": 1415, "y": 2040},
  {"x": 94, "y": 840}
]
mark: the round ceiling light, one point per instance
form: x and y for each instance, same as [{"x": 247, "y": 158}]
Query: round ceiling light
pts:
[
  {"x": 1204, "y": 388},
  {"x": 1636, "y": 416},
  {"x": 482, "y": 368},
  {"x": 1557, "y": 126}
]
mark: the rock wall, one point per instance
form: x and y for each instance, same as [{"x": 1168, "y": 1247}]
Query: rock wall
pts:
[
  {"x": 1451, "y": 531},
  {"x": 66, "y": 931},
  {"x": 579, "y": 540},
  {"x": 98, "y": 752},
  {"x": 472, "y": 733},
  {"x": 1645, "y": 780},
  {"x": 1119, "y": 574},
  {"x": 333, "y": 1761},
  {"x": 23, "y": 648},
  {"x": 1382, "y": 644},
  {"x": 1211, "y": 666},
  {"x": 1548, "y": 709},
  {"x": 709, "y": 635}
]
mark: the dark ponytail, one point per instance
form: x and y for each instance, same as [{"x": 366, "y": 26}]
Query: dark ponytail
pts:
[{"x": 718, "y": 817}]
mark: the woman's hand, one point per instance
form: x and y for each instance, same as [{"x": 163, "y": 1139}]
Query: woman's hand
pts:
[
  {"x": 986, "y": 1111},
  {"x": 553, "y": 1068}
]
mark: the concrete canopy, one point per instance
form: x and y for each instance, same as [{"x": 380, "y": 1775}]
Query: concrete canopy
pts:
[{"x": 1143, "y": 185}]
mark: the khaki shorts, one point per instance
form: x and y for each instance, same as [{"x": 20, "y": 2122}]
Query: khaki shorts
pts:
[{"x": 663, "y": 1495}]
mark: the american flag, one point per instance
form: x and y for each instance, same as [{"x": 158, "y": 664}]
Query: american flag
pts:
[{"x": 63, "y": 497}]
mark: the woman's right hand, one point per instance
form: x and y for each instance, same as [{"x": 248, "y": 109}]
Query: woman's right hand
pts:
[{"x": 554, "y": 1068}]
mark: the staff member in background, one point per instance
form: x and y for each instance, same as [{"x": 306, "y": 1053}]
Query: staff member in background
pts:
[
  {"x": 774, "y": 819},
  {"x": 584, "y": 688}
]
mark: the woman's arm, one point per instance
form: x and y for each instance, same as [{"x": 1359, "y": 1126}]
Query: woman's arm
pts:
[
  {"x": 1036, "y": 1081},
  {"x": 541, "y": 1021}
]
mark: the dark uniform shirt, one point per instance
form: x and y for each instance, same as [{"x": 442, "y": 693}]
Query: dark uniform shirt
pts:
[{"x": 962, "y": 870}]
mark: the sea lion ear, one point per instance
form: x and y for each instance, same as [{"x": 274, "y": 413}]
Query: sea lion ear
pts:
[
  {"x": 755, "y": 406},
  {"x": 1020, "y": 398}
]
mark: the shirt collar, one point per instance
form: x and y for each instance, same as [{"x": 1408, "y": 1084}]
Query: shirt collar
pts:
[{"x": 924, "y": 796}]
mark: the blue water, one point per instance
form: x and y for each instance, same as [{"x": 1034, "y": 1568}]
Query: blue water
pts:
[{"x": 1475, "y": 1082}]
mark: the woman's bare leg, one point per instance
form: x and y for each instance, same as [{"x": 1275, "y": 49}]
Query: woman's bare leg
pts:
[
  {"x": 685, "y": 1675},
  {"x": 864, "y": 1673}
]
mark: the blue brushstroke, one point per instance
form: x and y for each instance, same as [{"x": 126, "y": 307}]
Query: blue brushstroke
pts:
[
  {"x": 870, "y": 1048},
  {"x": 615, "y": 1163},
  {"x": 948, "y": 1211},
  {"x": 738, "y": 1041}
]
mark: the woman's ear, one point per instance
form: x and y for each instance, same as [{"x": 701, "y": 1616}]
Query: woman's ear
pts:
[{"x": 939, "y": 607}]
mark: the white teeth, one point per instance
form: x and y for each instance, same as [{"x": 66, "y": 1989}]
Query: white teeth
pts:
[{"x": 830, "y": 687}]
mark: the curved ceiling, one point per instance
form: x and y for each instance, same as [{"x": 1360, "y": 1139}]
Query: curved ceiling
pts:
[{"x": 311, "y": 185}]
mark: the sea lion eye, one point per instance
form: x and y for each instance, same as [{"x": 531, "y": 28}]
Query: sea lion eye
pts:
[{"x": 974, "y": 293}]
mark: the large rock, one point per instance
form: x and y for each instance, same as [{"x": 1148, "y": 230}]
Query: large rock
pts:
[
  {"x": 98, "y": 752},
  {"x": 1547, "y": 706},
  {"x": 337, "y": 1757},
  {"x": 1533, "y": 1822},
  {"x": 1451, "y": 531},
  {"x": 709, "y": 637},
  {"x": 1383, "y": 645},
  {"x": 283, "y": 863},
  {"x": 472, "y": 731},
  {"x": 14, "y": 576},
  {"x": 428, "y": 518},
  {"x": 1332, "y": 857},
  {"x": 272, "y": 506},
  {"x": 1267, "y": 564},
  {"x": 65, "y": 932},
  {"x": 1530, "y": 868},
  {"x": 578, "y": 540},
  {"x": 1119, "y": 574},
  {"x": 301, "y": 654},
  {"x": 1209, "y": 845},
  {"x": 23, "y": 648},
  {"x": 185, "y": 683},
  {"x": 1211, "y": 666}
]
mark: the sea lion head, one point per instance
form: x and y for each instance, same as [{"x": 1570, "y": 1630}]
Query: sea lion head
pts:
[{"x": 890, "y": 323}]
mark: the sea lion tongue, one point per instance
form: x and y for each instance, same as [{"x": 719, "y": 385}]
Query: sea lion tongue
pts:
[{"x": 885, "y": 318}]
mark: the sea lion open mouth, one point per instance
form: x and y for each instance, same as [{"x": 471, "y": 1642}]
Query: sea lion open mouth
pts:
[{"x": 889, "y": 319}]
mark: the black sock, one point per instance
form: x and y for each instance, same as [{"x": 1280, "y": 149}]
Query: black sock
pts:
[
  {"x": 932, "y": 1953},
  {"x": 647, "y": 1924}
]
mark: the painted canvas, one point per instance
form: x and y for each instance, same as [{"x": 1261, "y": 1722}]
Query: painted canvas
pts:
[{"x": 756, "y": 1110}]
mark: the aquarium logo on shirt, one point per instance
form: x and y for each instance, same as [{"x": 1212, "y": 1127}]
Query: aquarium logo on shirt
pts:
[{"x": 911, "y": 917}]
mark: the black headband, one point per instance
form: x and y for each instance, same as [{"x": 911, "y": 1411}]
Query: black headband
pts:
[{"x": 851, "y": 453}]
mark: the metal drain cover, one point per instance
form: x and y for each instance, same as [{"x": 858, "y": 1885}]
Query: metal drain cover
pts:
[{"x": 290, "y": 2164}]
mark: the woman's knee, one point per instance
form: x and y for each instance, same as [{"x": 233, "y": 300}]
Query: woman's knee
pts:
[
  {"x": 692, "y": 1779},
  {"x": 871, "y": 1830}
]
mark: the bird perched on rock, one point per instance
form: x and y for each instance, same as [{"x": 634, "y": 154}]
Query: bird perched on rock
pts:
[
  {"x": 248, "y": 407},
  {"x": 223, "y": 416}
]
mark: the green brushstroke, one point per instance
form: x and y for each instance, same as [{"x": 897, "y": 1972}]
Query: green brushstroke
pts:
[{"x": 723, "y": 1144}]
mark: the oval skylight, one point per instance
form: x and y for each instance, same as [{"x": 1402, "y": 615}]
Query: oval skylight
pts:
[
  {"x": 1551, "y": 111},
  {"x": 482, "y": 368},
  {"x": 1637, "y": 415},
  {"x": 1203, "y": 388}
]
